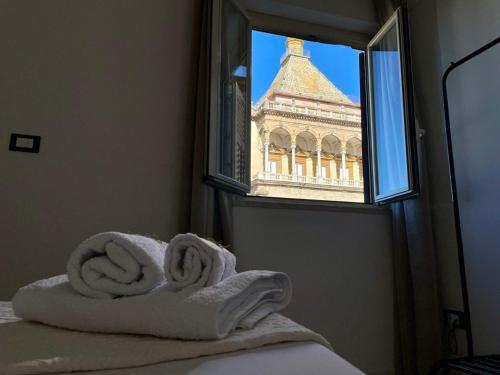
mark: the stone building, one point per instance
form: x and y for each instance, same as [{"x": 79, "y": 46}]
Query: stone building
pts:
[{"x": 306, "y": 135}]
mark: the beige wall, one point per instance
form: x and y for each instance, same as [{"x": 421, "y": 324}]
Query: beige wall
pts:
[
  {"x": 444, "y": 31},
  {"x": 107, "y": 86},
  {"x": 340, "y": 262},
  {"x": 473, "y": 97}
]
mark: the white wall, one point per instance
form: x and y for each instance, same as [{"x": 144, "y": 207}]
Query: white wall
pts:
[
  {"x": 340, "y": 262},
  {"x": 474, "y": 113},
  {"x": 107, "y": 86}
]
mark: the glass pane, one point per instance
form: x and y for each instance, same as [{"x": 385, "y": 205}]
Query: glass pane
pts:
[
  {"x": 388, "y": 119},
  {"x": 234, "y": 94}
]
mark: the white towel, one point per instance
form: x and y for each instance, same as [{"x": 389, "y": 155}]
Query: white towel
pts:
[
  {"x": 25, "y": 348},
  {"x": 195, "y": 261},
  {"x": 113, "y": 264},
  {"x": 207, "y": 313}
]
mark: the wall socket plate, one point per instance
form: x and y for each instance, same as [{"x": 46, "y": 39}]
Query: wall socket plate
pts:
[
  {"x": 454, "y": 319},
  {"x": 24, "y": 143}
]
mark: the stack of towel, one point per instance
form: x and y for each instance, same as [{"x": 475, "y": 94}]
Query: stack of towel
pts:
[{"x": 123, "y": 283}]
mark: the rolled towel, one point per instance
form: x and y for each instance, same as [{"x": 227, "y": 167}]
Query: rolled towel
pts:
[
  {"x": 197, "y": 262},
  {"x": 113, "y": 264},
  {"x": 205, "y": 313}
]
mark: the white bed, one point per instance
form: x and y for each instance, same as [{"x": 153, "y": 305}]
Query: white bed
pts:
[{"x": 278, "y": 359}]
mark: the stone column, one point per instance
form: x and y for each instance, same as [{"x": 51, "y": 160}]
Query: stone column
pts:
[
  {"x": 266, "y": 151},
  {"x": 318, "y": 163},
  {"x": 318, "y": 159},
  {"x": 344, "y": 164},
  {"x": 266, "y": 157},
  {"x": 293, "y": 171}
]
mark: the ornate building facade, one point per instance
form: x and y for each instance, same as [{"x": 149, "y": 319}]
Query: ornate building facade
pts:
[{"x": 306, "y": 135}]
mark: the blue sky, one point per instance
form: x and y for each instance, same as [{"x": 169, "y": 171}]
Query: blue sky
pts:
[{"x": 338, "y": 63}]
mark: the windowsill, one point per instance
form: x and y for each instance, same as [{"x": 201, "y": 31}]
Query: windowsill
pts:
[{"x": 306, "y": 204}]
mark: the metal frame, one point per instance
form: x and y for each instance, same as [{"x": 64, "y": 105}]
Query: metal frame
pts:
[
  {"x": 451, "y": 166},
  {"x": 400, "y": 20}
]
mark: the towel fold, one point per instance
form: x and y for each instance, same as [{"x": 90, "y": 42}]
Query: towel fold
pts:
[
  {"x": 113, "y": 264},
  {"x": 197, "y": 262},
  {"x": 26, "y": 349},
  {"x": 213, "y": 312}
]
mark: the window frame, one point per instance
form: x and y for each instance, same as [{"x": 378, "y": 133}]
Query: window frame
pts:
[
  {"x": 213, "y": 175},
  {"x": 400, "y": 19},
  {"x": 369, "y": 172}
]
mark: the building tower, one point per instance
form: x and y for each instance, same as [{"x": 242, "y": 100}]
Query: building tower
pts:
[{"x": 306, "y": 135}]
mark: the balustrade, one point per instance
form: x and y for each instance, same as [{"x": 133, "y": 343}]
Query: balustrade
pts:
[
  {"x": 269, "y": 176},
  {"x": 337, "y": 115}
]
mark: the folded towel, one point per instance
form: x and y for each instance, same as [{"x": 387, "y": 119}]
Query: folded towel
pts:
[
  {"x": 195, "y": 261},
  {"x": 114, "y": 264},
  {"x": 25, "y": 348},
  {"x": 206, "y": 313}
]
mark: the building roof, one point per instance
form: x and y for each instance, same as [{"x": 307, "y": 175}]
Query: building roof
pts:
[{"x": 300, "y": 78}]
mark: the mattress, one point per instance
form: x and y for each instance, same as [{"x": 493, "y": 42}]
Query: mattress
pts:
[
  {"x": 285, "y": 358},
  {"x": 301, "y": 358}
]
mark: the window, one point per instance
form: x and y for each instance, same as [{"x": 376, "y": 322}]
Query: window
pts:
[
  {"x": 290, "y": 118},
  {"x": 229, "y": 120},
  {"x": 391, "y": 116}
]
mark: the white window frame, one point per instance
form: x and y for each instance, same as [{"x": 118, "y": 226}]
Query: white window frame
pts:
[{"x": 398, "y": 19}]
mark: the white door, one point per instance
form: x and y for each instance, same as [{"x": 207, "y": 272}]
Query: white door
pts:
[
  {"x": 273, "y": 166},
  {"x": 323, "y": 172},
  {"x": 299, "y": 169},
  {"x": 344, "y": 174}
]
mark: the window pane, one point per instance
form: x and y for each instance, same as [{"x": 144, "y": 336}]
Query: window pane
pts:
[
  {"x": 234, "y": 95},
  {"x": 388, "y": 116}
]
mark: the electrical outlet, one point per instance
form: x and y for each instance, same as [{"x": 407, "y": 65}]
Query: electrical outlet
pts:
[{"x": 454, "y": 319}]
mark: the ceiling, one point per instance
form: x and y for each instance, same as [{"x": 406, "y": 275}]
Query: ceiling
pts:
[{"x": 352, "y": 15}]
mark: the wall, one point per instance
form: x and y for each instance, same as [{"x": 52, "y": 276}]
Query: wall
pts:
[
  {"x": 474, "y": 112},
  {"x": 355, "y": 15},
  {"x": 340, "y": 262},
  {"x": 426, "y": 65},
  {"x": 107, "y": 84},
  {"x": 444, "y": 31}
]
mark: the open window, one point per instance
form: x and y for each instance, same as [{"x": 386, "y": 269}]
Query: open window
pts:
[
  {"x": 378, "y": 164},
  {"x": 391, "y": 121},
  {"x": 229, "y": 119}
]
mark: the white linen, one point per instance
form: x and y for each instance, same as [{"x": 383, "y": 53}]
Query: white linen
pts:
[
  {"x": 195, "y": 261},
  {"x": 31, "y": 348},
  {"x": 207, "y": 313},
  {"x": 113, "y": 264},
  {"x": 296, "y": 358}
]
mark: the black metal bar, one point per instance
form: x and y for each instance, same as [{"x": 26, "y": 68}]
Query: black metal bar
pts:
[
  {"x": 364, "y": 130},
  {"x": 451, "y": 165}
]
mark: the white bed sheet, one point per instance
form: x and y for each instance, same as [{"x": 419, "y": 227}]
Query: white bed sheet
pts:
[
  {"x": 293, "y": 358},
  {"x": 302, "y": 358}
]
